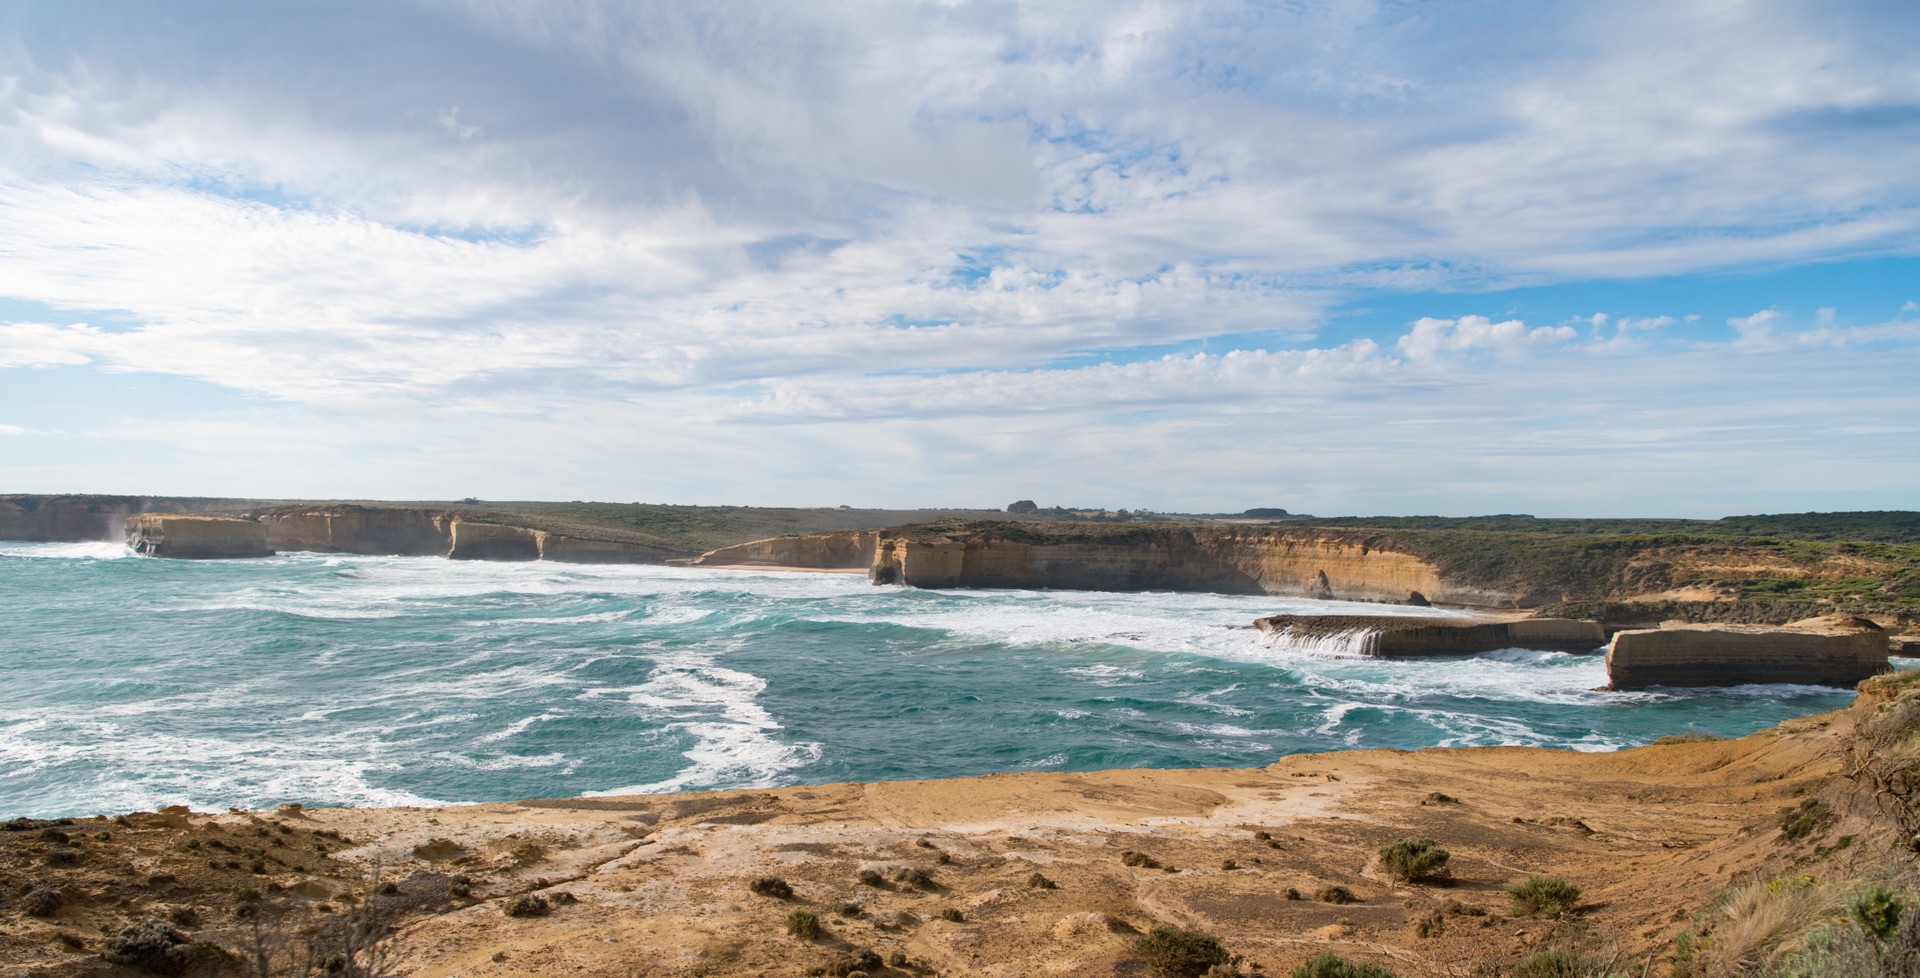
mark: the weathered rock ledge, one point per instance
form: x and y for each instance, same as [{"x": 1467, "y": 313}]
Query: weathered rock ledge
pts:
[
  {"x": 1838, "y": 650},
  {"x": 1409, "y": 636},
  {"x": 197, "y": 537},
  {"x": 847, "y": 550}
]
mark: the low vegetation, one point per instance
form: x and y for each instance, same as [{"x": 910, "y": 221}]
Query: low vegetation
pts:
[
  {"x": 1178, "y": 953},
  {"x": 1414, "y": 860},
  {"x": 1331, "y": 965},
  {"x": 804, "y": 924},
  {"x": 771, "y": 886},
  {"x": 1542, "y": 896}
]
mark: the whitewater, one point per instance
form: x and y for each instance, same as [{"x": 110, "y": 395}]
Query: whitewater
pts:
[{"x": 129, "y": 683}]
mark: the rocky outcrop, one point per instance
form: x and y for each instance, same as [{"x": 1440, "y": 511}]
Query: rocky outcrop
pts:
[
  {"x": 1405, "y": 637},
  {"x": 852, "y": 550},
  {"x": 1240, "y": 560},
  {"x": 1832, "y": 651},
  {"x": 197, "y": 537}
]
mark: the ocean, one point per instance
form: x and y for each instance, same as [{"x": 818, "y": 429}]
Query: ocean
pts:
[{"x": 129, "y": 683}]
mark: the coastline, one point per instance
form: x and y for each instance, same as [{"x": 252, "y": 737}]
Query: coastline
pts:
[{"x": 1035, "y": 866}]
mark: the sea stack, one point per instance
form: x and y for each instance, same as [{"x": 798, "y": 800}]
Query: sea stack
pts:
[
  {"x": 197, "y": 537},
  {"x": 1836, "y": 650}
]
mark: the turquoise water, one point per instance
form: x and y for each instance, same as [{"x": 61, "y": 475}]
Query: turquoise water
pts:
[{"x": 128, "y": 683}]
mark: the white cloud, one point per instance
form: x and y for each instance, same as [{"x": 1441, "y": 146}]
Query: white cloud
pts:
[
  {"x": 1431, "y": 337},
  {"x": 487, "y": 216},
  {"x": 46, "y": 345}
]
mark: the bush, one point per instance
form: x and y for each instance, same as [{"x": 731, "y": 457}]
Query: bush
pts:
[
  {"x": 1334, "y": 894},
  {"x": 916, "y": 878},
  {"x": 153, "y": 947},
  {"x": 1556, "y": 963},
  {"x": 803, "y": 924},
  {"x": 860, "y": 960},
  {"x": 527, "y": 905},
  {"x": 1331, "y": 965},
  {"x": 41, "y": 902},
  {"x": 1413, "y": 860},
  {"x": 1138, "y": 859},
  {"x": 771, "y": 886},
  {"x": 1542, "y": 896},
  {"x": 1040, "y": 882},
  {"x": 953, "y": 914},
  {"x": 1877, "y": 911},
  {"x": 1180, "y": 953}
]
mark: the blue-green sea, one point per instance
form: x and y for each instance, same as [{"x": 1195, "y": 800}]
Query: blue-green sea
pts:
[{"x": 129, "y": 683}]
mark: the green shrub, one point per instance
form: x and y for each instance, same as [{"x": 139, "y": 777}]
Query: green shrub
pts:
[
  {"x": 1877, "y": 911},
  {"x": 41, "y": 902},
  {"x": 1413, "y": 860},
  {"x": 1331, "y": 965},
  {"x": 527, "y": 905},
  {"x": 1556, "y": 963},
  {"x": 1180, "y": 953},
  {"x": 1811, "y": 817},
  {"x": 771, "y": 886},
  {"x": 1334, "y": 894},
  {"x": 1542, "y": 896},
  {"x": 803, "y": 924},
  {"x": 153, "y": 947},
  {"x": 919, "y": 879}
]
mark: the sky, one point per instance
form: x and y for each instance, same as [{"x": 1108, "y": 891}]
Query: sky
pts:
[{"x": 1626, "y": 259}]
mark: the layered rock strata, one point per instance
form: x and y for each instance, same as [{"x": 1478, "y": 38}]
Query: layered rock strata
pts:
[
  {"x": 197, "y": 537},
  {"x": 1242, "y": 561},
  {"x": 361, "y": 530},
  {"x": 1832, "y": 651},
  {"x": 850, "y": 550},
  {"x": 494, "y": 541},
  {"x": 1406, "y": 637}
]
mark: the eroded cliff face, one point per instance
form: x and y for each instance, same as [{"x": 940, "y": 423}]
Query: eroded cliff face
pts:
[
  {"x": 473, "y": 540},
  {"x": 1252, "y": 561},
  {"x": 197, "y": 537},
  {"x": 362, "y": 530},
  {"x": 1833, "y": 651},
  {"x": 851, "y": 550},
  {"x": 74, "y": 519}
]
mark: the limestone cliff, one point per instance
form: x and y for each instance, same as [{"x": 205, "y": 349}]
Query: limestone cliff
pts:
[
  {"x": 1832, "y": 651},
  {"x": 197, "y": 537},
  {"x": 473, "y": 540},
  {"x": 73, "y": 519},
  {"x": 361, "y": 530},
  {"x": 813, "y": 551},
  {"x": 1163, "y": 557}
]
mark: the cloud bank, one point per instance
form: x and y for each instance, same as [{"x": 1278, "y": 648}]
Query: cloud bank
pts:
[{"x": 947, "y": 252}]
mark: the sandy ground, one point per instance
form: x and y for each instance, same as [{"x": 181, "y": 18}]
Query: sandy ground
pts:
[{"x": 1016, "y": 874}]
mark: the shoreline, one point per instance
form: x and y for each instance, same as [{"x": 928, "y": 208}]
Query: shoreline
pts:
[{"x": 993, "y": 874}]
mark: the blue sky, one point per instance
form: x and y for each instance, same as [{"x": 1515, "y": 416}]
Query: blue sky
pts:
[{"x": 1652, "y": 258}]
